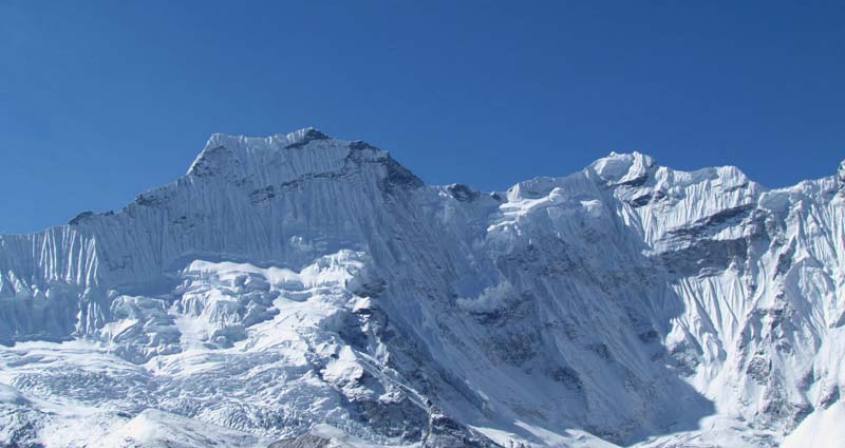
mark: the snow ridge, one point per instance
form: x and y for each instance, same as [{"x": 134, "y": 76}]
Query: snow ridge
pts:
[{"x": 300, "y": 289}]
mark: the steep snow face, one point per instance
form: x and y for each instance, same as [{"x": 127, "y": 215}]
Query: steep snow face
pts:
[
  {"x": 759, "y": 275},
  {"x": 313, "y": 291},
  {"x": 285, "y": 199}
]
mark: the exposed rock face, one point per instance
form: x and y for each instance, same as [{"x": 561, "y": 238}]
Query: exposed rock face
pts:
[{"x": 297, "y": 282}]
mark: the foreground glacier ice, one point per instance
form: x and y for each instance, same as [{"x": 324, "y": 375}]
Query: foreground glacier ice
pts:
[{"x": 299, "y": 290}]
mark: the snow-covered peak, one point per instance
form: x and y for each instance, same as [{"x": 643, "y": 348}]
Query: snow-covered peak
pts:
[
  {"x": 298, "y": 137},
  {"x": 841, "y": 171},
  {"x": 223, "y": 151},
  {"x": 299, "y": 280},
  {"x": 304, "y": 135},
  {"x": 622, "y": 168},
  {"x": 283, "y": 158}
]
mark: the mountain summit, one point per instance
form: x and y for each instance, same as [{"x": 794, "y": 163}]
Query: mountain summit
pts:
[{"x": 299, "y": 290}]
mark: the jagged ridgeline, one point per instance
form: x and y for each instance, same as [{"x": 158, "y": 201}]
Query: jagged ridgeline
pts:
[{"x": 304, "y": 291}]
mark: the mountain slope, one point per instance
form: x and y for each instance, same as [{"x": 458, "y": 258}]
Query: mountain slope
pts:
[{"x": 309, "y": 290}]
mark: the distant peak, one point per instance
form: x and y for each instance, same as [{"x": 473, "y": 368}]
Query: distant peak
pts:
[
  {"x": 223, "y": 146},
  {"x": 297, "y": 138},
  {"x": 622, "y": 168},
  {"x": 308, "y": 132},
  {"x": 303, "y": 154},
  {"x": 304, "y": 136}
]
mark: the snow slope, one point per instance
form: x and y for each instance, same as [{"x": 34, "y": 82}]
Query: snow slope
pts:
[{"x": 299, "y": 290}]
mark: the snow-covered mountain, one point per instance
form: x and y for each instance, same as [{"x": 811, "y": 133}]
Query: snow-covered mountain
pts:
[{"x": 299, "y": 290}]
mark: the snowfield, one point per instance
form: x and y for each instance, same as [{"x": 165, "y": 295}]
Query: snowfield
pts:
[{"x": 303, "y": 291}]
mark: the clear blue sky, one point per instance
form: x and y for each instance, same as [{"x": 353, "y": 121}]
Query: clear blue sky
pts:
[{"x": 102, "y": 100}]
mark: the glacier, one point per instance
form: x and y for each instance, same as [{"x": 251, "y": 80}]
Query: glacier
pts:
[{"x": 300, "y": 290}]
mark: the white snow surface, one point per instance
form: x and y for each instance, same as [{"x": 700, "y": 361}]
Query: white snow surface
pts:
[{"x": 303, "y": 289}]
